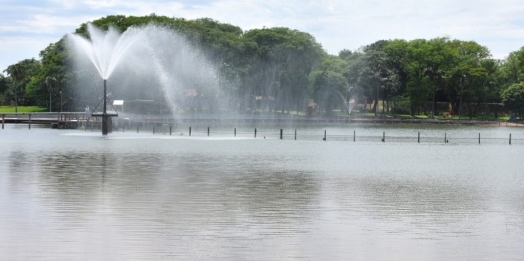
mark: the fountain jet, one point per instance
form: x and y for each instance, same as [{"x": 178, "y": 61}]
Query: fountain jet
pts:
[{"x": 148, "y": 61}]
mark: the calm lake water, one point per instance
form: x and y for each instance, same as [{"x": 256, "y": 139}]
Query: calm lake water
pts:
[{"x": 75, "y": 195}]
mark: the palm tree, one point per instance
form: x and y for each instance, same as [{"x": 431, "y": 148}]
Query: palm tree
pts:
[{"x": 17, "y": 73}]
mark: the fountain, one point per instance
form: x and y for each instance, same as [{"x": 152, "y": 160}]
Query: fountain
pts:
[{"x": 148, "y": 61}]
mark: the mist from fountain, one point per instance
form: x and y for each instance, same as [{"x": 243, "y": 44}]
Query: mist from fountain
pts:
[{"x": 144, "y": 63}]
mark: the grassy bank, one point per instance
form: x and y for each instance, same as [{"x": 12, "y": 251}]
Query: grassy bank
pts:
[{"x": 22, "y": 109}]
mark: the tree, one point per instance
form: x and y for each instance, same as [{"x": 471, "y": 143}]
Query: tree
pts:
[
  {"x": 281, "y": 62},
  {"x": 467, "y": 76},
  {"x": 513, "y": 98},
  {"x": 4, "y": 83},
  {"x": 21, "y": 74},
  {"x": 374, "y": 73},
  {"x": 418, "y": 85}
]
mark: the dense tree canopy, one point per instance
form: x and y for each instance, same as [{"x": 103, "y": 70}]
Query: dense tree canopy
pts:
[
  {"x": 513, "y": 98},
  {"x": 282, "y": 70}
]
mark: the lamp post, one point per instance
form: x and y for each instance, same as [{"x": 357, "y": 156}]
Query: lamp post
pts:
[
  {"x": 16, "y": 98},
  {"x": 49, "y": 100},
  {"x": 48, "y": 80},
  {"x": 376, "y": 105}
]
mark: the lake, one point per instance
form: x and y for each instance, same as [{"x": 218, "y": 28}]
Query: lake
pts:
[{"x": 75, "y": 195}]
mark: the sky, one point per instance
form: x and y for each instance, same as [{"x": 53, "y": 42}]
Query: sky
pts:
[{"x": 27, "y": 27}]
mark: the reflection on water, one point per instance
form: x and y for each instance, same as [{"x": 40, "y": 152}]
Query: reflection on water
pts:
[{"x": 79, "y": 196}]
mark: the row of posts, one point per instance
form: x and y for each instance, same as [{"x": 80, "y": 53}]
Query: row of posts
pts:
[{"x": 282, "y": 134}]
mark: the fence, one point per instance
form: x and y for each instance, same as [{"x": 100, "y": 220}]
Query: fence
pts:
[{"x": 351, "y": 136}]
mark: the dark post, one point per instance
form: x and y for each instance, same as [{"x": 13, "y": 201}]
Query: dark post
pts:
[
  {"x": 384, "y": 136},
  {"x": 510, "y": 139},
  {"x": 479, "y": 138},
  {"x": 189, "y": 131},
  {"x": 208, "y": 131},
  {"x": 281, "y": 133},
  {"x": 3, "y": 121},
  {"x": 29, "y": 121},
  {"x": 105, "y": 127},
  {"x": 255, "y": 133},
  {"x": 354, "y": 135},
  {"x": 295, "y": 134},
  {"x": 445, "y": 140},
  {"x": 170, "y": 130},
  {"x": 235, "y": 132},
  {"x": 16, "y": 100},
  {"x": 419, "y": 137},
  {"x": 325, "y": 134}
]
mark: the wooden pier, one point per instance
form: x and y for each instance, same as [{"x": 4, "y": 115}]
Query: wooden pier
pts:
[{"x": 64, "y": 120}]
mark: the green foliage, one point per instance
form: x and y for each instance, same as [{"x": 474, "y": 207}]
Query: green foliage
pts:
[
  {"x": 513, "y": 97},
  {"x": 290, "y": 67},
  {"x": 21, "y": 75},
  {"x": 22, "y": 109}
]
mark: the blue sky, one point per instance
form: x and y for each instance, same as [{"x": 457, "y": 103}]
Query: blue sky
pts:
[{"x": 26, "y": 27}]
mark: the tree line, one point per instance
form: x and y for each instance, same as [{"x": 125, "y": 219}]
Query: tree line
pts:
[{"x": 285, "y": 70}]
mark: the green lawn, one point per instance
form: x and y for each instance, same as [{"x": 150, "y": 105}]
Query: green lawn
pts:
[{"x": 22, "y": 109}]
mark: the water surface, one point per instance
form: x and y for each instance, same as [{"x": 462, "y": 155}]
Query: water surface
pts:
[{"x": 69, "y": 195}]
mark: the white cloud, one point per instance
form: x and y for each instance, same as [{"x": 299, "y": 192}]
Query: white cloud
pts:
[{"x": 15, "y": 49}]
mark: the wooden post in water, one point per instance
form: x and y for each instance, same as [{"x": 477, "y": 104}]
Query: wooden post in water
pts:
[
  {"x": 281, "y": 133},
  {"x": 354, "y": 136},
  {"x": 510, "y": 139},
  {"x": 189, "y": 131},
  {"x": 295, "y": 134},
  {"x": 384, "y": 136},
  {"x": 445, "y": 140},
  {"x": 3, "y": 121},
  {"x": 170, "y": 130},
  {"x": 235, "y": 132},
  {"x": 325, "y": 136},
  {"x": 479, "y": 137},
  {"x": 255, "y": 133},
  {"x": 419, "y": 137},
  {"x": 29, "y": 121},
  {"x": 208, "y": 131}
]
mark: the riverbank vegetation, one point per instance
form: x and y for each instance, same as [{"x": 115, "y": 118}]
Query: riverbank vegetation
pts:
[
  {"x": 22, "y": 109},
  {"x": 282, "y": 70}
]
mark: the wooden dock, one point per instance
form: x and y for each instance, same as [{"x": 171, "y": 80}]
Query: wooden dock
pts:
[{"x": 65, "y": 120}]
